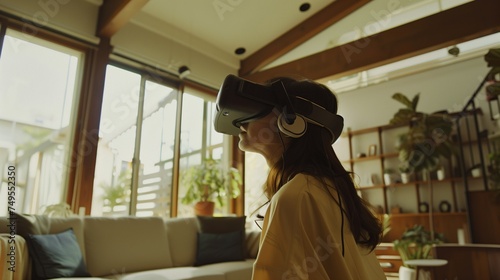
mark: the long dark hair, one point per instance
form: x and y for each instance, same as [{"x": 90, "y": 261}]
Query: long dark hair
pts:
[{"x": 313, "y": 154}]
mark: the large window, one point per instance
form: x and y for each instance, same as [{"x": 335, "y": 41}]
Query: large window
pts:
[
  {"x": 136, "y": 142},
  {"x": 149, "y": 131},
  {"x": 39, "y": 82},
  {"x": 136, "y": 156}
]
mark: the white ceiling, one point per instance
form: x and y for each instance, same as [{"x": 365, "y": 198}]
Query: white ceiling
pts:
[
  {"x": 216, "y": 28},
  {"x": 225, "y": 25},
  {"x": 228, "y": 24}
]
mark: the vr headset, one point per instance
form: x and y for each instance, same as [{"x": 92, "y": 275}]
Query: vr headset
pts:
[{"x": 240, "y": 101}]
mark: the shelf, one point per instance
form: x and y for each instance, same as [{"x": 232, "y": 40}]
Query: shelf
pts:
[
  {"x": 365, "y": 188},
  {"x": 368, "y": 158},
  {"x": 373, "y": 129},
  {"x": 411, "y": 184},
  {"x": 386, "y": 196},
  {"x": 435, "y": 213}
]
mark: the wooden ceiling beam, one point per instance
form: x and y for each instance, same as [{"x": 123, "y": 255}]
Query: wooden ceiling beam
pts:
[
  {"x": 299, "y": 34},
  {"x": 113, "y": 14},
  {"x": 463, "y": 23}
]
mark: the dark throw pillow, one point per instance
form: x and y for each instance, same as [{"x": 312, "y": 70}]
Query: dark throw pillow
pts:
[
  {"x": 56, "y": 255},
  {"x": 219, "y": 247},
  {"x": 32, "y": 224},
  {"x": 221, "y": 239},
  {"x": 221, "y": 224}
]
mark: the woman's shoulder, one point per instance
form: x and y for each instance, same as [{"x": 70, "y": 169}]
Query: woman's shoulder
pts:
[
  {"x": 301, "y": 183},
  {"x": 308, "y": 180}
]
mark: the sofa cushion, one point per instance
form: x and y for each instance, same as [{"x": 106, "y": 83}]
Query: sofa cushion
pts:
[
  {"x": 125, "y": 244},
  {"x": 219, "y": 247},
  {"x": 182, "y": 236},
  {"x": 178, "y": 273},
  {"x": 57, "y": 255},
  {"x": 40, "y": 224},
  {"x": 232, "y": 270},
  {"x": 14, "y": 259},
  {"x": 221, "y": 224},
  {"x": 218, "y": 240},
  {"x": 32, "y": 224}
]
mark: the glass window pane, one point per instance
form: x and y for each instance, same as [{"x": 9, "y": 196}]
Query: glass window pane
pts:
[
  {"x": 38, "y": 94},
  {"x": 215, "y": 138},
  {"x": 191, "y": 143},
  {"x": 199, "y": 140},
  {"x": 117, "y": 133},
  {"x": 256, "y": 171},
  {"x": 157, "y": 147}
]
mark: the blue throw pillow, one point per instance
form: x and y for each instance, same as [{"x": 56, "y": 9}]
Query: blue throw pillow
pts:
[
  {"x": 219, "y": 247},
  {"x": 56, "y": 255}
]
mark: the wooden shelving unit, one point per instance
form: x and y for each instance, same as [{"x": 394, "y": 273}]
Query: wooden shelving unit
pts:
[{"x": 383, "y": 196}]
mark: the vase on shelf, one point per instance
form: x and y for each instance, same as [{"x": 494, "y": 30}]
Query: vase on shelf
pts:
[
  {"x": 405, "y": 178},
  {"x": 388, "y": 175},
  {"x": 440, "y": 174}
]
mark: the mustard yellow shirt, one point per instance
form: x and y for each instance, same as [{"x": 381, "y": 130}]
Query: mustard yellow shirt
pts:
[{"x": 301, "y": 238}]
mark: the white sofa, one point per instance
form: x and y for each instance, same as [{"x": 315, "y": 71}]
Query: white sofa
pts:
[{"x": 127, "y": 248}]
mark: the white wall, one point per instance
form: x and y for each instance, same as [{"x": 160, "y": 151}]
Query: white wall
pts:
[
  {"x": 75, "y": 17},
  {"x": 445, "y": 88},
  {"x": 148, "y": 47}
]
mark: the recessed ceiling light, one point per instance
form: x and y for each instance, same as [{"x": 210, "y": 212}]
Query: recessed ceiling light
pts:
[
  {"x": 305, "y": 7},
  {"x": 240, "y": 51},
  {"x": 455, "y": 51}
]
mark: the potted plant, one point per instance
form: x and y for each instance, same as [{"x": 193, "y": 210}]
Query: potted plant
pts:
[
  {"x": 118, "y": 192},
  {"x": 415, "y": 243},
  {"x": 428, "y": 137},
  {"x": 208, "y": 183},
  {"x": 62, "y": 210},
  {"x": 427, "y": 140}
]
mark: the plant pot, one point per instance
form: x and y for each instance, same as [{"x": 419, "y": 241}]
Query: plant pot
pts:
[
  {"x": 406, "y": 273},
  {"x": 387, "y": 179},
  {"x": 476, "y": 172},
  {"x": 440, "y": 174},
  {"x": 405, "y": 178},
  {"x": 204, "y": 208}
]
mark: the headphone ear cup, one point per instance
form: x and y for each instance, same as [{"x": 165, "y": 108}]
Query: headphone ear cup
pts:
[{"x": 294, "y": 130}]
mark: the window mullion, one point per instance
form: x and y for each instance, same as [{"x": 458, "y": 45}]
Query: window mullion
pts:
[{"x": 136, "y": 161}]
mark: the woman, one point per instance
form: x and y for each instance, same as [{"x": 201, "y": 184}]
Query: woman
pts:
[{"x": 315, "y": 226}]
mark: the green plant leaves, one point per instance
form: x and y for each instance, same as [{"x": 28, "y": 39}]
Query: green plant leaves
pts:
[
  {"x": 493, "y": 57},
  {"x": 416, "y": 243},
  {"x": 210, "y": 181},
  {"x": 411, "y": 105},
  {"x": 428, "y": 136}
]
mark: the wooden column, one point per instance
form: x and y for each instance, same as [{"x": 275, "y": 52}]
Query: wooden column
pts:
[{"x": 87, "y": 130}]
